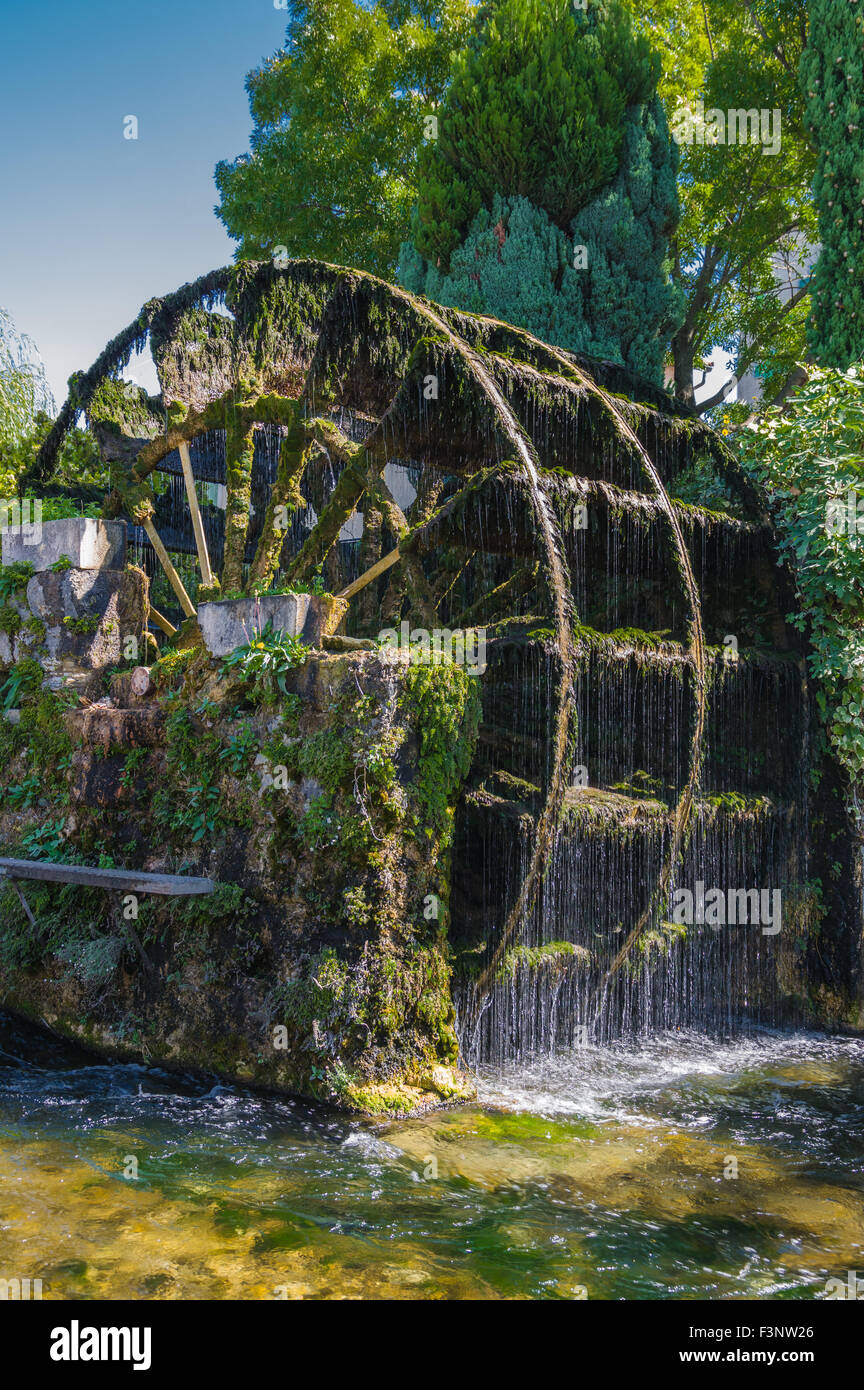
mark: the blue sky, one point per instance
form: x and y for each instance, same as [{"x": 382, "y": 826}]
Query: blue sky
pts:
[{"x": 92, "y": 224}]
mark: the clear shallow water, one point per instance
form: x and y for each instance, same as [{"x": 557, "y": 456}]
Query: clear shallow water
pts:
[{"x": 602, "y": 1170}]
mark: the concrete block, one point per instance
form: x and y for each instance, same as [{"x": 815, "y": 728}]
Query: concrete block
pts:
[
  {"x": 89, "y": 543},
  {"x": 231, "y": 623}
]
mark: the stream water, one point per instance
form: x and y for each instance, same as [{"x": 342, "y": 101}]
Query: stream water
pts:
[{"x": 605, "y": 1173}]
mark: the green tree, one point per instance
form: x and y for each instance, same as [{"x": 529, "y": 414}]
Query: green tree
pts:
[
  {"x": 535, "y": 110},
  {"x": 747, "y": 219},
  {"x": 809, "y": 458},
  {"x": 550, "y": 194},
  {"x": 24, "y": 392},
  {"x": 340, "y": 115},
  {"x": 832, "y": 81}
]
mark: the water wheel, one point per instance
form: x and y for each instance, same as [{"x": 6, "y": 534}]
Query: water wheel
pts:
[{"x": 451, "y": 472}]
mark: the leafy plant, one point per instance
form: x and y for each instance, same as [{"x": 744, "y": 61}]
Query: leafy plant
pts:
[
  {"x": 10, "y": 620},
  {"x": 316, "y": 587},
  {"x": 14, "y": 579},
  {"x": 809, "y": 458},
  {"x": 83, "y": 626},
  {"x": 264, "y": 663},
  {"x": 23, "y": 794},
  {"x": 45, "y": 841},
  {"x": 64, "y": 563},
  {"x": 339, "y": 114},
  {"x": 24, "y": 679}
]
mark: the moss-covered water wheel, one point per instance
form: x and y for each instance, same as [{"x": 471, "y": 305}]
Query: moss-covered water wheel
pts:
[{"x": 450, "y": 471}]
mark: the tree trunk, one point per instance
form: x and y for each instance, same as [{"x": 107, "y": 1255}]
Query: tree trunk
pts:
[{"x": 683, "y": 354}]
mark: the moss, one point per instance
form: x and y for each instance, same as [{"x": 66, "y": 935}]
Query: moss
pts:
[
  {"x": 84, "y": 626},
  {"x": 239, "y": 456},
  {"x": 318, "y": 996},
  {"x": 36, "y": 627},
  {"x": 123, "y": 407},
  {"x": 642, "y": 784},
  {"x": 10, "y": 620},
  {"x": 511, "y": 788},
  {"x": 660, "y": 939},
  {"x": 357, "y": 910},
  {"x": 443, "y": 703},
  {"x": 168, "y": 672},
  {"x": 327, "y": 757},
  {"x": 14, "y": 579},
  {"x": 554, "y": 956},
  {"x": 368, "y": 1011},
  {"x": 735, "y": 804}
]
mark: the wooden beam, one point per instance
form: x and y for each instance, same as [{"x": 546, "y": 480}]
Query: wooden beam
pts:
[
  {"x": 173, "y": 577},
  {"x": 115, "y": 880},
  {"x": 389, "y": 560},
  {"x": 26, "y": 906},
  {"x": 197, "y": 522},
  {"x": 162, "y": 622}
]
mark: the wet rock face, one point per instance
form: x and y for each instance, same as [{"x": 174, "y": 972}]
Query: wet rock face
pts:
[{"x": 320, "y": 964}]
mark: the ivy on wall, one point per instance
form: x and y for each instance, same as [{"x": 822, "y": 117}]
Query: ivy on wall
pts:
[{"x": 809, "y": 457}]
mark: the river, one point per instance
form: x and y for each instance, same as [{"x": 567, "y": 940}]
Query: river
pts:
[{"x": 683, "y": 1168}]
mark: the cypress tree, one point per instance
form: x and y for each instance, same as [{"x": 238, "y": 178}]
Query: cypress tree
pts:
[
  {"x": 832, "y": 80},
  {"x": 550, "y": 195}
]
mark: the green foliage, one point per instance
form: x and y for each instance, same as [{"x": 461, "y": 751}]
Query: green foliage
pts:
[
  {"x": 59, "y": 566},
  {"x": 168, "y": 672},
  {"x": 444, "y": 705},
  {"x": 553, "y": 956},
  {"x": 189, "y": 803},
  {"x": 45, "y": 842},
  {"x": 195, "y": 800},
  {"x": 14, "y": 579},
  {"x": 338, "y": 122},
  {"x": 832, "y": 82},
  {"x": 566, "y": 174},
  {"x": 79, "y": 466},
  {"x": 23, "y": 394},
  {"x": 41, "y": 738},
  {"x": 22, "y": 683},
  {"x": 84, "y": 626},
  {"x": 264, "y": 663},
  {"x": 618, "y": 303},
  {"x": 703, "y": 485},
  {"x": 810, "y": 459},
  {"x": 745, "y": 212},
  {"x": 535, "y": 111},
  {"x": 316, "y": 587},
  {"x": 10, "y": 620}
]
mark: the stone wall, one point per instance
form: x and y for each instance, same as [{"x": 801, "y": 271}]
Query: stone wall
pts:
[
  {"x": 320, "y": 965},
  {"x": 76, "y": 608}
]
